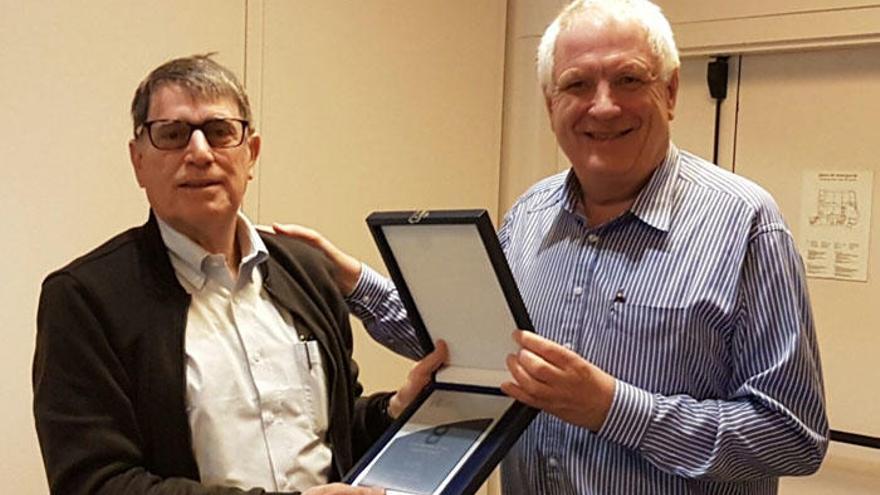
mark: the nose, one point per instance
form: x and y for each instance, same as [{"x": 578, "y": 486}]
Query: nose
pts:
[
  {"x": 604, "y": 104},
  {"x": 198, "y": 151}
]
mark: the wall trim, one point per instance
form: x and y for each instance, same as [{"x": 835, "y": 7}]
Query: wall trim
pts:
[{"x": 795, "y": 31}]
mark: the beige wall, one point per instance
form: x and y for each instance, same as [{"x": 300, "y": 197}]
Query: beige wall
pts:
[
  {"x": 528, "y": 141},
  {"x": 363, "y": 105}
]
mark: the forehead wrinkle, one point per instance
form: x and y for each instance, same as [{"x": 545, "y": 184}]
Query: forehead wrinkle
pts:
[
  {"x": 605, "y": 31},
  {"x": 614, "y": 63},
  {"x": 604, "y": 55}
]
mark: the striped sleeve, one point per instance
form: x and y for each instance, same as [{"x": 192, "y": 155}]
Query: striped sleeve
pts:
[
  {"x": 375, "y": 302},
  {"x": 773, "y": 421}
]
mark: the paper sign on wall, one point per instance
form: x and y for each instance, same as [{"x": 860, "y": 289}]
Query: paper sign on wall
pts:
[{"x": 836, "y": 223}]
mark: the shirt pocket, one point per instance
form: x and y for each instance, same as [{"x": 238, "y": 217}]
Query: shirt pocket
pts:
[
  {"x": 310, "y": 368},
  {"x": 667, "y": 350},
  {"x": 292, "y": 384}
]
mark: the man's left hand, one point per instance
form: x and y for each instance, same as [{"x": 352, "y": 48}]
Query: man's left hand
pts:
[
  {"x": 557, "y": 380},
  {"x": 419, "y": 376}
]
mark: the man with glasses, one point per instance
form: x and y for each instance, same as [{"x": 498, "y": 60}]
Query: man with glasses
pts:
[{"x": 193, "y": 354}]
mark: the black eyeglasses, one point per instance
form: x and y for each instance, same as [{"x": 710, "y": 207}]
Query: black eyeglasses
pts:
[{"x": 175, "y": 134}]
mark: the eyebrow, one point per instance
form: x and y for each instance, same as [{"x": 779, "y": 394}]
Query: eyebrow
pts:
[
  {"x": 625, "y": 64},
  {"x": 573, "y": 72},
  {"x": 200, "y": 121}
]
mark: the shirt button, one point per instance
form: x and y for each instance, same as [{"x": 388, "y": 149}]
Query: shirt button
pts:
[
  {"x": 578, "y": 291},
  {"x": 567, "y": 345},
  {"x": 553, "y": 463},
  {"x": 592, "y": 238},
  {"x": 366, "y": 299}
]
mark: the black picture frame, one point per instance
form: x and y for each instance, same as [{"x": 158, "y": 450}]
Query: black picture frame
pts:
[{"x": 469, "y": 476}]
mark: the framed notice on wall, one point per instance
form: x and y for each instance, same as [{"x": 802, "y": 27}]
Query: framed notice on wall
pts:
[{"x": 836, "y": 223}]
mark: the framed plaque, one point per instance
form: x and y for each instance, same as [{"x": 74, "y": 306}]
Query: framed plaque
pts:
[{"x": 452, "y": 277}]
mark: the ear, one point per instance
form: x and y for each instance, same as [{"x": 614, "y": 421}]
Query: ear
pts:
[
  {"x": 254, "y": 145},
  {"x": 672, "y": 94},
  {"x": 548, "y": 101},
  {"x": 136, "y": 154}
]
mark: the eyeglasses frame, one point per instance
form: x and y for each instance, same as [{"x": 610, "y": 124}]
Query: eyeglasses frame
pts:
[{"x": 147, "y": 126}]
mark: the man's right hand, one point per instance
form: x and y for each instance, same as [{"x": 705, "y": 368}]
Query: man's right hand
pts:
[
  {"x": 347, "y": 269},
  {"x": 342, "y": 489}
]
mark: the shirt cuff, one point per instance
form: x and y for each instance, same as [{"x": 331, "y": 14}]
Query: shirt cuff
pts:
[
  {"x": 629, "y": 417},
  {"x": 369, "y": 292}
]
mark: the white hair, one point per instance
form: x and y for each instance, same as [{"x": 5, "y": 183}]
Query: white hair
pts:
[{"x": 646, "y": 14}]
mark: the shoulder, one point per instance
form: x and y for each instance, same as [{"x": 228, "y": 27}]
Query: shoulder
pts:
[
  {"x": 546, "y": 192},
  {"x": 548, "y": 188},
  {"x": 108, "y": 262},
  {"x": 298, "y": 258},
  {"x": 718, "y": 181},
  {"x": 280, "y": 246},
  {"x": 110, "y": 282},
  {"x": 719, "y": 186},
  {"x": 301, "y": 279}
]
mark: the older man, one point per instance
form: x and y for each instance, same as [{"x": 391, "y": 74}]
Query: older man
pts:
[
  {"x": 675, "y": 350},
  {"x": 192, "y": 355}
]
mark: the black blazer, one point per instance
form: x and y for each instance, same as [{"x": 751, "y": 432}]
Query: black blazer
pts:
[{"x": 109, "y": 374}]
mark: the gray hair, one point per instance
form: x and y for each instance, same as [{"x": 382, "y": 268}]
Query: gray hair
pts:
[
  {"x": 646, "y": 14},
  {"x": 200, "y": 75}
]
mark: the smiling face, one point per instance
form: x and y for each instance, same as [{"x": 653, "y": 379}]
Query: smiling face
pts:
[
  {"x": 196, "y": 188},
  {"x": 608, "y": 108}
]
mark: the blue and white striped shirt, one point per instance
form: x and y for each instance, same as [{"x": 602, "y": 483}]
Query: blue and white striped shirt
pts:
[{"x": 695, "y": 300}]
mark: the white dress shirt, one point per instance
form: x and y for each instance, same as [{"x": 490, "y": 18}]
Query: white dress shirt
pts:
[{"x": 256, "y": 393}]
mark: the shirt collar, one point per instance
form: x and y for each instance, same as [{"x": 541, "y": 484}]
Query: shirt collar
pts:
[
  {"x": 653, "y": 205},
  {"x": 565, "y": 194},
  {"x": 570, "y": 193},
  {"x": 191, "y": 261}
]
